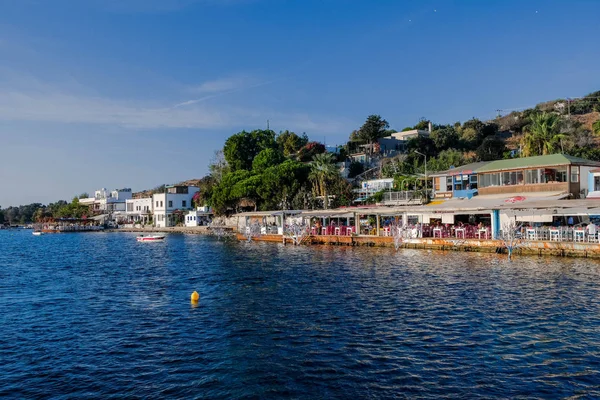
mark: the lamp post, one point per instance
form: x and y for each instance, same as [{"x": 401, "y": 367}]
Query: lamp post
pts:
[{"x": 424, "y": 155}]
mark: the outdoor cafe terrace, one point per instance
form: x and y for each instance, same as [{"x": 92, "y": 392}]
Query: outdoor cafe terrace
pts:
[{"x": 537, "y": 219}]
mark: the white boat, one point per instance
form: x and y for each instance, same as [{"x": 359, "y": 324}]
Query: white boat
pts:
[
  {"x": 150, "y": 238},
  {"x": 38, "y": 233}
]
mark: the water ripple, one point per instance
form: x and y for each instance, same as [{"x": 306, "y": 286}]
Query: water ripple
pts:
[{"x": 99, "y": 315}]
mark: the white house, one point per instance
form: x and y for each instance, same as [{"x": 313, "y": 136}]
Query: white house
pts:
[
  {"x": 138, "y": 210},
  {"x": 106, "y": 202},
  {"x": 169, "y": 206},
  {"x": 201, "y": 216}
]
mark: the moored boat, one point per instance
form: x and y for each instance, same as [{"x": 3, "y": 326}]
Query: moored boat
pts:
[
  {"x": 150, "y": 238},
  {"x": 38, "y": 233}
]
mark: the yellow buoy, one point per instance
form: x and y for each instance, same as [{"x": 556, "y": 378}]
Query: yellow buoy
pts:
[{"x": 195, "y": 296}]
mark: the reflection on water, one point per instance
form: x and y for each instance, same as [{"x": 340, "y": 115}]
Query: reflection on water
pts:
[{"x": 101, "y": 315}]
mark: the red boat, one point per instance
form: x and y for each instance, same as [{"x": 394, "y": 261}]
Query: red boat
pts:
[{"x": 151, "y": 238}]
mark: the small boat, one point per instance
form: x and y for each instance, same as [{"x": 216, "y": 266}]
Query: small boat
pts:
[
  {"x": 38, "y": 233},
  {"x": 151, "y": 238}
]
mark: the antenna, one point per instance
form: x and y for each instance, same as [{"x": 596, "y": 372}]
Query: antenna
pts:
[{"x": 268, "y": 125}]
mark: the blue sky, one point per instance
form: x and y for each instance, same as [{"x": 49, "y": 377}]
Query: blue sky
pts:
[{"x": 137, "y": 93}]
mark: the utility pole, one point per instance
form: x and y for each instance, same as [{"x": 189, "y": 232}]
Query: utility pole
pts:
[
  {"x": 424, "y": 155},
  {"x": 268, "y": 125}
]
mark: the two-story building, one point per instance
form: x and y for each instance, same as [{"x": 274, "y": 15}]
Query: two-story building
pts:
[
  {"x": 108, "y": 202},
  {"x": 169, "y": 206},
  {"x": 138, "y": 210},
  {"x": 201, "y": 216}
]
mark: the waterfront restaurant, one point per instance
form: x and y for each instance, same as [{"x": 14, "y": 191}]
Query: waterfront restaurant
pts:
[
  {"x": 457, "y": 182},
  {"x": 556, "y": 173}
]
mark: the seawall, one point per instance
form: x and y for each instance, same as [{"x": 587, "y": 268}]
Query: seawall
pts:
[
  {"x": 195, "y": 230},
  {"x": 541, "y": 248}
]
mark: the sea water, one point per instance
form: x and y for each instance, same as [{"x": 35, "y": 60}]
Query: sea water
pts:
[{"x": 99, "y": 315}]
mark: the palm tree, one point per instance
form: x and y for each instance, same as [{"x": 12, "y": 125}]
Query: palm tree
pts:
[
  {"x": 542, "y": 135},
  {"x": 322, "y": 169}
]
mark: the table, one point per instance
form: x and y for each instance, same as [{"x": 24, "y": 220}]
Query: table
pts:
[
  {"x": 437, "y": 230},
  {"x": 579, "y": 235},
  {"x": 459, "y": 230},
  {"x": 531, "y": 233},
  {"x": 484, "y": 231},
  {"x": 555, "y": 235},
  {"x": 337, "y": 230}
]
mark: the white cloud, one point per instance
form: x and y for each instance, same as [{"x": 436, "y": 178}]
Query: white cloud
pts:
[
  {"x": 59, "y": 107},
  {"x": 226, "y": 84}
]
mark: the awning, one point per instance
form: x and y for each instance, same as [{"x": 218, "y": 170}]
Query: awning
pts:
[{"x": 499, "y": 201}]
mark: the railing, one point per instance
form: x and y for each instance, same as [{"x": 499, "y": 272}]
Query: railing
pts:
[{"x": 405, "y": 197}]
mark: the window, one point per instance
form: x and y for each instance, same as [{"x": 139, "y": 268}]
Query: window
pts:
[
  {"x": 170, "y": 203},
  {"x": 492, "y": 179},
  {"x": 512, "y": 178},
  {"x": 553, "y": 175},
  {"x": 437, "y": 184},
  {"x": 473, "y": 181},
  {"x": 574, "y": 174},
  {"x": 183, "y": 203},
  {"x": 156, "y": 203},
  {"x": 449, "y": 184},
  {"x": 161, "y": 203},
  {"x": 458, "y": 183},
  {"x": 129, "y": 207},
  {"x": 532, "y": 176}
]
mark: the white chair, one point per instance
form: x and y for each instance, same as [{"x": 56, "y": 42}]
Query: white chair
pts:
[{"x": 591, "y": 233}]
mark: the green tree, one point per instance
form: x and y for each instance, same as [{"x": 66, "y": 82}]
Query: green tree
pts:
[
  {"x": 543, "y": 135},
  {"x": 265, "y": 159},
  {"x": 492, "y": 148},
  {"x": 446, "y": 159},
  {"x": 322, "y": 171},
  {"x": 422, "y": 125},
  {"x": 445, "y": 137},
  {"x": 281, "y": 183},
  {"x": 374, "y": 128},
  {"x": 247, "y": 189},
  {"x": 289, "y": 143},
  {"x": 241, "y": 148},
  {"x": 223, "y": 198},
  {"x": 203, "y": 196}
]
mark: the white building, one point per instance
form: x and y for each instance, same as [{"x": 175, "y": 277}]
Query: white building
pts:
[
  {"x": 169, "y": 206},
  {"x": 106, "y": 202},
  {"x": 201, "y": 216},
  {"x": 370, "y": 187},
  {"x": 138, "y": 210}
]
